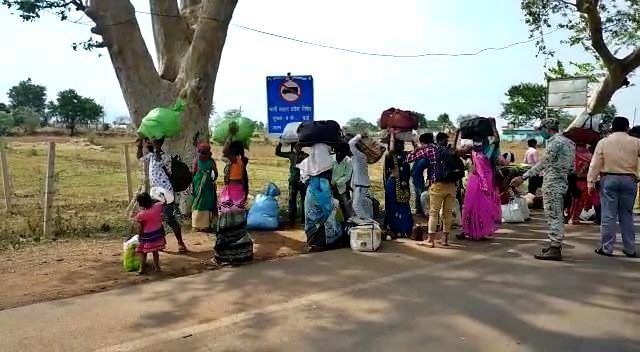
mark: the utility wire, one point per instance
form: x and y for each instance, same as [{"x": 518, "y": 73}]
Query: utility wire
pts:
[{"x": 329, "y": 46}]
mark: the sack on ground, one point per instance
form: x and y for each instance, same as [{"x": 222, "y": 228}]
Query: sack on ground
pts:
[
  {"x": 246, "y": 127},
  {"x": 586, "y": 215},
  {"x": 524, "y": 207},
  {"x": 371, "y": 149},
  {"x": 264, "y": 212},
  {"x": 162, "y": 122},
  {"x": 365, "y": 236},
  {"x": 130, "y": 260},
  {"x": 290, "y": 133},
  {"x": 512, "y": 212}
]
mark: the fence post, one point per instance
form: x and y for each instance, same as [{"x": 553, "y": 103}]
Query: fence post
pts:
[
  {"x": 49, "y": 190},
  {"x": 6, "y": 177},
  {"x": 127, "y": 166}
]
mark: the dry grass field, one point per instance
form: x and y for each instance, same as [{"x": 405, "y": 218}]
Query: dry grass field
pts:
[{"x": 90, "y": 222}]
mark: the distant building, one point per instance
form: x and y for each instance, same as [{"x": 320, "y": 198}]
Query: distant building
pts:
[{"x": 510, "y": 134}]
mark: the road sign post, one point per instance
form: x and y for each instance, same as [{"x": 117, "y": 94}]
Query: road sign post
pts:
[{"x": 289, "y": 99}]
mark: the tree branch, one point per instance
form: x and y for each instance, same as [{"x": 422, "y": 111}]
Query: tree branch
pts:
[
  {"x": 142, "y": 87},
  {"x": 631, "y": 61},
  {"x": 172, "y": 36},
  {"x": 590, "y": 9}
]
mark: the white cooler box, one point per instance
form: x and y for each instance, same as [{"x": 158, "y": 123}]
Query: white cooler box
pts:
[{"x": 365, "y": 235}]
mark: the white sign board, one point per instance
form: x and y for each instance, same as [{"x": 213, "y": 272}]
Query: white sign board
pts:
[{"x": 567, "y": 92}]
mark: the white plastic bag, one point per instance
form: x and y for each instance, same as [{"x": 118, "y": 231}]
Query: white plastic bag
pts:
[
  {"x": 290, "y": 133},
  {"x": 524, "y": 207},
  {"x": 584, "y": 120},
  {"x": 586, "y": 215},
  {"x": 365, "y": 236},
  {"x": 512, "y": 212}
]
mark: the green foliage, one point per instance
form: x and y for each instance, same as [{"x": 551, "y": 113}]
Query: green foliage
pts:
[
  {"x": 358, "y": 124},
  {"x": 620, "y": 23},
  {"x": 6, "y": 123},
  {"x": 444, "y": 121},
  {"x": 422, "y": 120},
  {"x": 74, "y": 110},
  {"x": 4, "y": 108},
  {"x": 26, "y": 94},
  {"x": 526, "y": 103},
  {"x": 26, "y": 119}
]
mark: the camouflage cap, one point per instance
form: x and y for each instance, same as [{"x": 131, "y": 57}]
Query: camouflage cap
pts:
[{"x": 550, "y": 123}]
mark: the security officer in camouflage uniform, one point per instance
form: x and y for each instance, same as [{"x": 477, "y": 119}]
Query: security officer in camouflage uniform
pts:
[{"x": 558, "y": 162}]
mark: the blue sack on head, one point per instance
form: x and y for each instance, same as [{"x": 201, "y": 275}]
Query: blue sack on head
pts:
[{"x": 264, "y": 212}]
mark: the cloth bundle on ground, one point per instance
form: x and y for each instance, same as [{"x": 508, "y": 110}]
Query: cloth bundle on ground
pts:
[
  {"x": 371, "y": 148},
  {"x": 514, "y": 211},
  {"x": 162, "y": 122},
  {"x": 476, "y": 127},
  {"x": 246, "y": 127},
  {"x": 264, "y": 212},
  {"x": 312, "y": 132},
  {"x": 290, "y": 133},
  {"x": 364, "y": 235},
  {"x": 130, "y": 259},
  {"x": 398, "y": 119}
]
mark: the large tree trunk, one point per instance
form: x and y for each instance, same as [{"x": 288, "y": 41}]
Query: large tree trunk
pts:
[{"x": 189, "y": 47}]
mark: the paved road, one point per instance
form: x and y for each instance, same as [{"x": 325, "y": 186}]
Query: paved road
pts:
[{"x": 488, "y": 296}]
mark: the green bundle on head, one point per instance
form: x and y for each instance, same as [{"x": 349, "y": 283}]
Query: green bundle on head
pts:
[
  {"x": 246, "y": 127},
  {"x": 163, "y": 122}
]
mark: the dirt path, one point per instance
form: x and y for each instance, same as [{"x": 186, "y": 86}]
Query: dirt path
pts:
[{"x": 70, "y": 268}]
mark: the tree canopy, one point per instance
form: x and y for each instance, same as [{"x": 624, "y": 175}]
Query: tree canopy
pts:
[
  {"x": 606, "y": 29},
  {"x": 189, "y": 37},
  {"x": 358, "y": 124},
  {"x": 27, "y": 94},
  {"x": 527, "y": 103},
  {"x": 73, "y": 110}
]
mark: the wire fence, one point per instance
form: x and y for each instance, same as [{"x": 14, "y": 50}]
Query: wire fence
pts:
[{"x": 77, "y": 188}]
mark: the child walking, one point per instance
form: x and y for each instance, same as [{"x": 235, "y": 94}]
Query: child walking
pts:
[{"x": 151, "y": 230}]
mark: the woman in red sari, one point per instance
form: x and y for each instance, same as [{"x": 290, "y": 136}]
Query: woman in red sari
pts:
[{"x": 581, "y": 198}]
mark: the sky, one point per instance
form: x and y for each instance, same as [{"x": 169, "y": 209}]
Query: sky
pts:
[{"x": 345, "y": 85}]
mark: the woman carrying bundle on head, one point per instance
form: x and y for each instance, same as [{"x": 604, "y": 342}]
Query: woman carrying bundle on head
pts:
[
  {"x": 233, "y": 243},
  {"x": 481, "y": 213},
  {"x": 397, "y": 192}
]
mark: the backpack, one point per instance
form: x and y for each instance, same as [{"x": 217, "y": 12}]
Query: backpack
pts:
[
  {"x": 181, "y": 176},
  {"x": 450, "y": 165}
]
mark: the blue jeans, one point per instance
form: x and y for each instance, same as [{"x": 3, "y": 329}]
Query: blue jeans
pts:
[
  {"x": 419, "y": 188},
  {"x": 618, "y": 196}
]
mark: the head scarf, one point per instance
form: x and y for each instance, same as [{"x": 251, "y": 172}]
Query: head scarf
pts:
[{"x": 204, "y": 151}]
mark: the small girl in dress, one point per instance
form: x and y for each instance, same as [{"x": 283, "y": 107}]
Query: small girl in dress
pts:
[{"x": 151, "y": 230}]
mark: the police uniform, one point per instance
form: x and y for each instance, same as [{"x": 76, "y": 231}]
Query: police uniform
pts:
[{"x": 557, "y": 163}]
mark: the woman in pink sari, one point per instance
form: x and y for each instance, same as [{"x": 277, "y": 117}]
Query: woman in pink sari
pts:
[{"x": 481, "y": 213}]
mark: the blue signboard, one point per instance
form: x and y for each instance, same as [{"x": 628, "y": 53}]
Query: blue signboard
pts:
[{"x": 289, "y": 99}]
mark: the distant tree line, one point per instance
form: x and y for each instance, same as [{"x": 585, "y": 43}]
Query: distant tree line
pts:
[{"x": 28, "y": 109}]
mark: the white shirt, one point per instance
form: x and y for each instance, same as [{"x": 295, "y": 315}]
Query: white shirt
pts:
[
  {"x": 157, "y": 175},
  {"x": 360, "y": 165}
]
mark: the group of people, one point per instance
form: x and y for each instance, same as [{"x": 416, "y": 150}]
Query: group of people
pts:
[
  {"x": 226, "y": 214},
  {"x": 341, "y": 172}
]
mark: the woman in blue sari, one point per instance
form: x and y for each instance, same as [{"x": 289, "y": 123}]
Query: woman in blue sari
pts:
[
  {"x": 397, "y": 192},
  {"x": 320, "y": 225}
]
